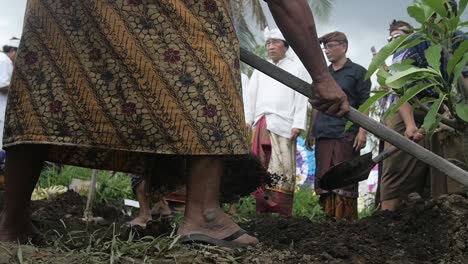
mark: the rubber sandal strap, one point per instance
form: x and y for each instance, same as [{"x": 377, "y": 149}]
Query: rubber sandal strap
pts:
[{"x": 235, "y": 235}]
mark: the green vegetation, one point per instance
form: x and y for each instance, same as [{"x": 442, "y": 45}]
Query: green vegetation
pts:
[
  {"x": 117, "y": 187},
  {"x": 111, "y": 186}
]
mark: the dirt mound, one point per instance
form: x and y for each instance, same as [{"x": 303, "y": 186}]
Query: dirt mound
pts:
[{"x": 434, "y": 231}]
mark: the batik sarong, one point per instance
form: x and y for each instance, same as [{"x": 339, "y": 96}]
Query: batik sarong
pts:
[{"x": 130, "y": 86}]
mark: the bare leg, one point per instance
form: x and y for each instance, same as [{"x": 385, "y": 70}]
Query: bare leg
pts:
[
  {"x": 232, "y": 209},
  {"x": 143, "y": 197},
  {"x": 23, "y": 167},
  {"x": 390, "y": 205},
  {"x": 162, "y": 209},
  {"x": 203, "y": 214}
]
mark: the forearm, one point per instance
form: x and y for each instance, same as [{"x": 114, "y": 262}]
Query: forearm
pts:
[
  {"x": 313, "y": 118},
  {"x": 295, "y": 20},
  {"x": 406, "y": 113},
  {"x": 362, "y": 130}
]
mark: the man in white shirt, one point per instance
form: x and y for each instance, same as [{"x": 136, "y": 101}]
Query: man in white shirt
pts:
[
  {"x": 7, "y": 58},
  {"x": 278, "y": 116}
]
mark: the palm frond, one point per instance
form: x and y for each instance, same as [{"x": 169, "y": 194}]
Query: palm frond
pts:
[
  {"x": 321, "y": 8},
  {"x": 257, "y": 12}
]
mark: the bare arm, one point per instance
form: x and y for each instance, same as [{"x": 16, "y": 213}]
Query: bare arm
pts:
[
  {"x": 295, "y": 20},
  {"x": 411, "y": 131},
  {"x": 310, "y": 132}
]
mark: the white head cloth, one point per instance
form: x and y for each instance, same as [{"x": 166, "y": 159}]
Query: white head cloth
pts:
[
  {"x": 14, "y": 42},
  {"x": 273, "y": 34}
]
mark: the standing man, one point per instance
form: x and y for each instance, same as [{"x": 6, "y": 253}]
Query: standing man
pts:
[
  {"x": 332, "y": 143},
  {"x": 7, "y": 59},
  {"x": 173, "y": 98},
  {"x": 403, "y": 174},
  {"x": 278, "y": 115}
]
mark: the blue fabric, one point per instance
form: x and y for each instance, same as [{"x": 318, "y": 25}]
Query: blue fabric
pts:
[{"x": 417, "y": 53}]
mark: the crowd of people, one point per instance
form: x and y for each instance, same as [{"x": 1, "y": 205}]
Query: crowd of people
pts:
[{"x": 163, "y": 98}]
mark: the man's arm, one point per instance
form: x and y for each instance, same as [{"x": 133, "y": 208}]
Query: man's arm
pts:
[
  {"x": 363, "y": 88},
  {"x": 310, "y": 132},
  {"x": 295, "y": 20},
  {"x": 411, "y": 131}
]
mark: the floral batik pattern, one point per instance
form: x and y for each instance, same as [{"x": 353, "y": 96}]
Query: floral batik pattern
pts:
[{"x": 112, "y": 84}]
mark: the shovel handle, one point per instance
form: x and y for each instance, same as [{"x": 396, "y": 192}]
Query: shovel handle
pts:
[
  {"x": 385, "y": 154},
  {"x": 391, "y": 150},
  {"x": 358, "y": 118}
]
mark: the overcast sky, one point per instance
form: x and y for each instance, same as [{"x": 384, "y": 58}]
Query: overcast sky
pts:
[{"x": 365, "y": 22}]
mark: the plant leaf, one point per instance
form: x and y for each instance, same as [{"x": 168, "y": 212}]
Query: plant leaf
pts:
[
  {"x": 437, "y": 6},
  {"x": 382, "y": 75},
  {"x": 417, "y": 13},
  {"x": 398, "y": 67},
  {"x": 459, "y": 67},
  {"x": 384, "y": 53},
  {"x": 463, "y": 24},
  {"x": 400, "y": 79},
  {"x": 462, "y": 6},
  {"x": 410, "y": 93},
  {"x": 457, "y": 56},
  {"x": 411, "y": 43},
  {"x": 433, "y": 55},
  {"x": 462, "y": 111},
  {"x": 452, "y": 23},
  {"x": 432, "y": 119},
  {"x": 368, "y": 103}
]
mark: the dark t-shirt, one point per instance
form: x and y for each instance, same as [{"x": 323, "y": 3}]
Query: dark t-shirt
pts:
[{"x": 351, "y": 79}]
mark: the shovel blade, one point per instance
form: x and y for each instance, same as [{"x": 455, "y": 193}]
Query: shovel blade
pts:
[{"x": 347, "y": 172}]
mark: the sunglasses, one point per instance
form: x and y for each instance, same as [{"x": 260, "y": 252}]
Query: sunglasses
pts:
[
  {"x": 329, "y": 46},
  {"x": 392, "y": 37}
]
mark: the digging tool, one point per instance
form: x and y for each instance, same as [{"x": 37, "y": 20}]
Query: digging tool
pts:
[
  {"x": 353, "y": 171},
  {"x": 88, "y": 213},
  {"x": 358, "y": 118}
]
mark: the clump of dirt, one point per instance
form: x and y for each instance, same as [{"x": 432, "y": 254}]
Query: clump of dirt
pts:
[{"x": 434, "y": 231}]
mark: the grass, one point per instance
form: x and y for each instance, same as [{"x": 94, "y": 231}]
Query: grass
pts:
[{"x": 111, "y": 186}]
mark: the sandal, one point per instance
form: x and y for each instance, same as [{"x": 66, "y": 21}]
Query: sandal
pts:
[{"x": 226, "y": 242}]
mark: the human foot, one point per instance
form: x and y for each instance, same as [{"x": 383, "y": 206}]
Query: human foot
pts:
[
  {"x": 22, "y": 231},
  {"x": 232, "y": 209},
  {"x": 214, "y": 223},
  {"x": 141, "y": 220}
]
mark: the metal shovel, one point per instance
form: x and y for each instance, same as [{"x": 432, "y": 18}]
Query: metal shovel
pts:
[
  {"x": 352, "y": 171},
  {"x": 358, "y": 118}
]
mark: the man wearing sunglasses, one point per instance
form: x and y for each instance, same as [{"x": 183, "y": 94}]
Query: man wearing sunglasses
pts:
[
  {"x": 333, "y": 143},
  {"x": 401, "y": 167},
  {"x": 403, "y": 174}
]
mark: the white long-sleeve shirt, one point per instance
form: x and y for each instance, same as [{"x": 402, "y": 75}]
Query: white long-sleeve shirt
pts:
[
  {"x": 245, "y": 86},
  {"x": 6, "y": 71},
  {"x": 283, "y": 108}
]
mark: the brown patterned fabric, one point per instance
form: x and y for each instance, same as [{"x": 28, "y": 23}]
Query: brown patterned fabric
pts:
[
  {"x": 338, "y": 206},
  {"x": 109, "y": 83},
  {"x": 330, "y": 152}
]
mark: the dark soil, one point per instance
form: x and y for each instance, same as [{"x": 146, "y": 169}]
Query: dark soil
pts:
[
  {"x": 434, "y": 231},
  {"x": 421, "y": 232}
]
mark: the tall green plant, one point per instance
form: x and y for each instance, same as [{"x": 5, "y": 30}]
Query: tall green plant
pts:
[{"x": 438, "y": 25}]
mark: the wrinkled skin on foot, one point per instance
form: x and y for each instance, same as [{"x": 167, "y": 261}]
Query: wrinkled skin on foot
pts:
[{"x": 215, "y": 223}]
